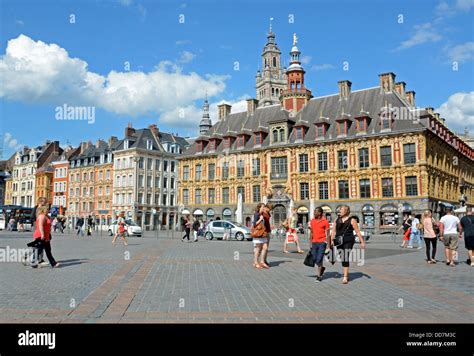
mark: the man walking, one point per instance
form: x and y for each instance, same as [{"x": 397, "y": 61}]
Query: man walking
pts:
[
  {"x": 467, "y": 224},
  {"x": 196, "y": 225},
  {"x": 319, "y": 237},
  {"x": 79, "y": 225},
  {"x": 450, "y": 231}
]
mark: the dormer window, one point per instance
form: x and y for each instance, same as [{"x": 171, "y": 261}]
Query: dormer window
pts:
[
  {"x": 72, "y": 164},
  {"x": 92, "y": 160},
  {"x": 109, "y": 158},
  {"x": 321, "y": 130},
  {"x": 241, "y": 141},
  {"x": 258, "y": 139},
  {"x": 212, "y": 145},
  {"x": 362, "y": 124},
  {"x": 149, "y": 144},
  {"x": 342, "y": 127},
  {"x": 227, "y": 142},
  {"x": 386, "y": 120},
  {"x": 102, "y": 158},
  {"x": 78, "y": 163},
  {"x": 278, "y": 134},
  {"x": 126, "y": 144},
  {"x": 299, "y": 133},
  {"x": 199, "y": 146}
]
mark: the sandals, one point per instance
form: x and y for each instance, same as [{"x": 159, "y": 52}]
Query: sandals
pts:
[
  {"x": 300, "y": 251},
  {"x": 286, "y": 251},
  {"x": 257, "y": 266},
  {"x": 345, "y": 280},
  {"x": 264, "y": 265}
]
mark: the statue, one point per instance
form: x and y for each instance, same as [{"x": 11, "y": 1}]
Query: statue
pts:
[{"x": 295, "y": 39}]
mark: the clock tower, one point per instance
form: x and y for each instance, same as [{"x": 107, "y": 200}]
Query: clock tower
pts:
[{"x": 271, "y": 81}]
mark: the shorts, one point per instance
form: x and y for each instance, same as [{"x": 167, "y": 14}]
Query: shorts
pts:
[
  {"x": 451, "y": 241},
  {"x": 260, "y": 240},
  {"x": 469, "y": 242}
]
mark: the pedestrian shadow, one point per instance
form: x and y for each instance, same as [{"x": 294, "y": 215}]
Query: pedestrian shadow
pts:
[
  {"x": 72, "y": 262},
  {"x": 276, "y": 263},
  {"x": 338, "y": 275}
]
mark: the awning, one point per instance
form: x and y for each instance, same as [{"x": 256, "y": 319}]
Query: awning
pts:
[
  {"x": 462, "y": 209},
  {"x": 198, "y": 212},
  {"x": 302, "y": 210},
  {"x": 389, "y": 207},
  {"x": 227, "y": 212},
  {"x": 210, "y": 212},
  {"x": 367, "y": 207},
  {"x": 185, "y": 212},
  {"x": 326, "y": 209}
]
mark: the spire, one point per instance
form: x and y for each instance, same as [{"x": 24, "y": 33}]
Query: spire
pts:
[
  {"x": 295, "y": 55},
  {"x": 205, "y": 123}
]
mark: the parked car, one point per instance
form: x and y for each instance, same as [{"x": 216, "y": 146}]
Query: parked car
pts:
[
  {"x": 219, "y": 227},
  {"x": 132, "y": 229}
]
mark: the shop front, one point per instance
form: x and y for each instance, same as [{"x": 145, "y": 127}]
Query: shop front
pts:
[
  {"x": 210, "y": 213},
  {"x": 388, "y": 216},
  {"x": 227, "y": 214},
  {"x": 368, "y": 216},
  {"x": 303, "y": 215}
]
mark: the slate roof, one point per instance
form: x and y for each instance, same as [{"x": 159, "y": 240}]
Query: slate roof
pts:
[{"x": 367, "y": 102}]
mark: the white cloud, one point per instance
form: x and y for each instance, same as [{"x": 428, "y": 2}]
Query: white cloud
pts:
[
  {"x": 305, "y": 60},
  {"x": 182, "y": 42},
  {"x": 19, "y": 22},
  {"x": 319, "y": 67},
  {"x": 190, "y": 116},
  {"x": 11, "y": 142},
  {"x": 37, "y": 72},
  {"x": 423, "y": 33},
  {"x": 464, "y": 5},
  {"x": 460, "y": 53},
  {"x": 186, "y": 57},
  {"x": 458, "y": 111}
]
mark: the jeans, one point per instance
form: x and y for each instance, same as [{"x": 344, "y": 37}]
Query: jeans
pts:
[
  {"x": 317, "y": 250},
  {"x": 415, "y": 235}
]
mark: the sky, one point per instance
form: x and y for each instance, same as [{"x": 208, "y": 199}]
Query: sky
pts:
[{"x": 150, "y": 62}]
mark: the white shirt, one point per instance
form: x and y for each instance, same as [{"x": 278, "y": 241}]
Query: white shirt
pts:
[{"x": 450, "y": 223}]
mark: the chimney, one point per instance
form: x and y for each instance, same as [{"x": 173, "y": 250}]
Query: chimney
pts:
[
  {"x": 387, "y": 82},
  {"x": 83, "y": 146},
  {"x": 98, "y": 143},
  {"x": 112, "y": 140},
  {"x": 437, "y": 116},
  {"x": 251, "y": 106},
  {"x": 344, "y": 88},
  {"x": 410, "y": 96},
  {"x": 154, "y": 129},
  {"x": 400, "y": 88},
  {"x": 430, "y": 110},
  {"x": 129, "y": 130},
  {"x": 224, "y": 110}
]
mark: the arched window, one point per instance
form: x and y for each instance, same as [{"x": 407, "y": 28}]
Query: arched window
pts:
[
  {"x": 282, "y": 135},
  {"x": 275, "y": 135},
  {"x": 274, "y": 61}
]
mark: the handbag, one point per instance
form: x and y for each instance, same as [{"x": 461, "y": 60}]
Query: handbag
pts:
[
  {"x": 258, "y": 231},
  {"x": 290, "y": 237},
  {"x": 309, "y": 260},
  {"x": 339, "y": 239}
]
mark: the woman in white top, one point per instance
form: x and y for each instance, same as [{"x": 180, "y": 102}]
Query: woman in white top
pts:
[{"x": 415, "y": 233}]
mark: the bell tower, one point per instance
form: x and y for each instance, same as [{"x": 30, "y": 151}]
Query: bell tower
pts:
[
  {"x": 271, "y": 81},
  {"x": 295, "y": 96}
]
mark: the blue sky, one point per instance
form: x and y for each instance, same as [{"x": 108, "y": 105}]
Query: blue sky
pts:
[{"x": 77, "y": 53}]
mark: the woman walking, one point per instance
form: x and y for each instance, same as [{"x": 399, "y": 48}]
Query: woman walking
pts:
[
  {"x": 416, "y": 229},
  {"x": 342, "y": 236},
  {"x": 406, "y": 227},
  {"x": 258, "y": 228},
  {"x": 42, "y": 234},
  {"x": 429, "y": 234},
  {"x": 266, "y": 220},
  {"x": 187, "y": 228},
  {"x": 291, "y": 230},
  {"x": 121, "y": 229}
]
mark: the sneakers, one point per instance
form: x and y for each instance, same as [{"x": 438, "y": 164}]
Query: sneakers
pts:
[
  {"x": 43, "y": 263},
  {"x": 409, "y": 246},
  {"x": 419, "y": 247},
  {"x": 318, "y": 279}
]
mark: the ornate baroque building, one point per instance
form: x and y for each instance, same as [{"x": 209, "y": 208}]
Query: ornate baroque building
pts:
[{"x": 371, "y": 149}]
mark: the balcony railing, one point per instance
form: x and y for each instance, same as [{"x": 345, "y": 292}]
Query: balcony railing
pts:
[{"x": 278, "y": 176}]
